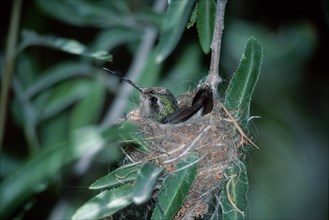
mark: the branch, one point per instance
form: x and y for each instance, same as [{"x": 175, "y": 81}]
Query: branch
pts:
[
  {"x": 213, "y": 76},
  {"x": 9, "y": 64}
]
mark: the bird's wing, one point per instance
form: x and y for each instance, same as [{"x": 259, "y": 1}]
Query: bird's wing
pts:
[{"x": 203, "y": 99}]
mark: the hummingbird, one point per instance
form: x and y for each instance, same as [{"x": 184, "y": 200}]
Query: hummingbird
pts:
[{"x": 160, "y": 105}]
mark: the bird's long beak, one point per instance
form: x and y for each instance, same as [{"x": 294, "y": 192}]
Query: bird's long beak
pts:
[{"x": 135, "y": 85}]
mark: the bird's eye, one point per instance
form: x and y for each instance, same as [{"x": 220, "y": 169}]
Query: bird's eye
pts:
[{"x": 153, "y": 99}]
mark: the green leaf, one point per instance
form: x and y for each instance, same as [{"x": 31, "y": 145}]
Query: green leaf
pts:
[
  {"x": 147, "y": 178},
  {"x": 175, "y": 188},
  {"x": 64, "y": 11},
  {"x": 55, "y": 129},
  {"x": 62, "y": 96},
  {"x": 205, "y": 23},
  {"x": 57, "y": 74},
  {"x": 125, "y": 130},
  {"x": 149, "y": 16},
  {"x": 105, "y": 204},
  {"x": 8, "y": 164},
  {"x": 101, "y": 14},
  {"x": 28, "y": 116},
  {"x": 193, "y": 16},
  {"x": 87, "y": 111},
  {"x": 233, "y": 198},
  {"x": 31, "y": 38},
  {"x": 172, "y": 28},
  {"x": 124, "y": 174},
  {"x": 27, "y": 70},
  {"x": 114, "y": 37},
  {"x": 33, "y": 177},
  {"x": 85, "y": 14},
  {"x": 240, "y": 89}
]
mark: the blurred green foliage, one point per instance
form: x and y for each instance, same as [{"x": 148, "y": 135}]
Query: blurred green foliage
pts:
[
  {"x": 175, "y": 189},
  {"x": 57, "y": 101}
]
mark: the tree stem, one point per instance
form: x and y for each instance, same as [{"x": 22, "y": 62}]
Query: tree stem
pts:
[
  {"x": 213, "y": 76},
  {"x": 9, "y": 64}
]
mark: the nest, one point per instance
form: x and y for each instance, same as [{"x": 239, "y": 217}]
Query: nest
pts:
[{"x": 212, "y": 137}]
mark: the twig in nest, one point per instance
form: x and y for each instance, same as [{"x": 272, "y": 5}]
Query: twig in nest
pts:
[
  {"x": 127, "y": 155},
  {"x": 190, "y": 164},
  {"x": 229, "y": 195},
  {"x": 190, "y": 146},
  {"x": 237, "y": 126}
]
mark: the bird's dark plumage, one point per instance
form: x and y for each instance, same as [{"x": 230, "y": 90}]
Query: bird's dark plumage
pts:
[{"x": 203, "y": 99}]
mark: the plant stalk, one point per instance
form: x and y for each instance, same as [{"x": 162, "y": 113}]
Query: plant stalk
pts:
[
  {"x": 9, "y": 64},
  {"x": 213, "y": 76}
]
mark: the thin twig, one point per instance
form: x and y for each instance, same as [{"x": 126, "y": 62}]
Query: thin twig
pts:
[
  {"x": 119, "y": 104},
  {"x": 190, "y": 164},
  {"x": 237, "y": 126},
  {"x": 230, "y": 199},
  {"x": 213, "y": 76},
  {"x": 190, "y": 146},
  {"x": 9, "y": 64}
]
